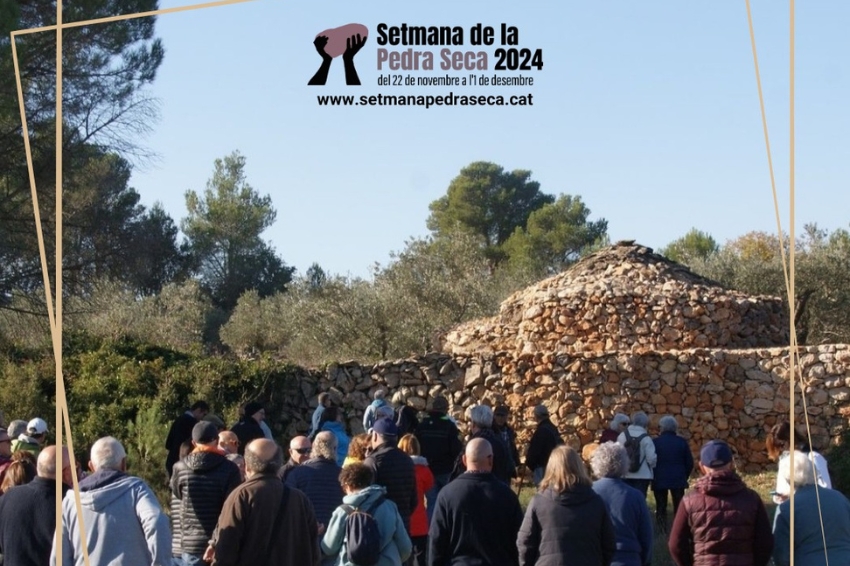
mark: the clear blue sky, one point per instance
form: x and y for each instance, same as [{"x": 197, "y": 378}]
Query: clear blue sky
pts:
[{"x": 647, "y": 110}]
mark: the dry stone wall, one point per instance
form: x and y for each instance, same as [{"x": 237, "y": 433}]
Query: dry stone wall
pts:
[
  {"x": 735, "y": 395},
  {"x": 624, "y": 298}
]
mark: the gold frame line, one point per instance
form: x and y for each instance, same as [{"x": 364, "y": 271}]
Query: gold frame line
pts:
[{"x": 55, "y": 316}]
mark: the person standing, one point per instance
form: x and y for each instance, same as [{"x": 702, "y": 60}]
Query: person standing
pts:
[
  {"x": 392, "y": 468},
  {"x": 545, "y": 439},
  {"x": 33, "y": 439},
  {"x": 504, "y": 430},
  {"x": 641, "y": 451},
  {"x": 123, "y": 521},
  {"x": 439, "y": 440},
  {"x": 263, "y": 522},
  {"x": 626, "y": 506},
  {"x": 324, "y": 401},
  {"x": 477, "y": 516},
  {"x": 300, "y": 448},
  {"x": 181, "y": 431},
  {"x": 28, "y": 512},
  {"x": 720, "y": 520},
  {"x": 424, "y": 481},
  {"x": 201, "y": 483},
  {"x": 672, "y": 469},
  {"x": 248, "y": 428},
  {"x": 566, "y": 522}
]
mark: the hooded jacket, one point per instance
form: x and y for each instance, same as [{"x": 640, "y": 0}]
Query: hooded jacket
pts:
[
  {"x": 123, "y": 521},
  {"x": 648, "y": 457},
  {"x": 201, "y": 483},
  {"x": 572, "y": 527},
  {"x": 394, "y": 470},
  {"x": 721, "y": 522},
  {"x": 395, "y": 542}
]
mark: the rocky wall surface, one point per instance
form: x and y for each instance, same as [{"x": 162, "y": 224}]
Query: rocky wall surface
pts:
[
  {"x": 735, "y": 395},
  {"x": 624, "y": 298}
]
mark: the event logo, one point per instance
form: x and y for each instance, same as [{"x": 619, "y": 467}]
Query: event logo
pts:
[{"x": 346, "y": 40}]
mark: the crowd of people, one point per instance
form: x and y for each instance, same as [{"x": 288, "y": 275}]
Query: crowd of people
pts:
[{"x": 410, "y": 491}]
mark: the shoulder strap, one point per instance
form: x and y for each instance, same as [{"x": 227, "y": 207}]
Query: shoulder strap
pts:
[
  {"x": 628, "y": 436},
  {"x": 284, "y": 499}
]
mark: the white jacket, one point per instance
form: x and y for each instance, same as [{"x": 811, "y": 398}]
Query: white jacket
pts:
[{"x": 647, "y": 453}]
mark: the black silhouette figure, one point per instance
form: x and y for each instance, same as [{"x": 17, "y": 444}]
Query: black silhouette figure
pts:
[{"x": 353, "y": 44}]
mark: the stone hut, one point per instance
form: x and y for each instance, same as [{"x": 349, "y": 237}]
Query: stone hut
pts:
[{"x": 624, "y": 298}]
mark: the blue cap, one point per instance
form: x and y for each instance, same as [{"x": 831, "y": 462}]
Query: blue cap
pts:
[{"x": 715, "y": 454}]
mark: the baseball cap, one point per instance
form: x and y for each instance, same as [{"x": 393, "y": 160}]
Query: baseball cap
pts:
[
  {"x": 37, "y": 426},
  {"x": 204, "y": 432},
  {"x": 715, "y": 454},
  {"x": 385, "y": 427}
]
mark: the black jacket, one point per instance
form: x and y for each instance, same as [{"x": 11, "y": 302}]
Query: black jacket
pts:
[
  {"x": 475, "y": 522},
  {"x": 542, "y": 442},
  {"x": 28, "y": 522},
  {"x": 567, "y": 528},
  {"x": 439, "y": 442},
  {"x": 247, "y": 430},
  {"x": 180, "y": 432},
  {"x": 503, "y": 465},
  {"x": 201, "y": 482},
  {"x": 394, "y": 470},
  {"x": 318, "y": 479}
]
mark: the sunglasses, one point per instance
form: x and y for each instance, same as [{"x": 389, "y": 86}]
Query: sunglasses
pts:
[{"x": 301, "y": 450}]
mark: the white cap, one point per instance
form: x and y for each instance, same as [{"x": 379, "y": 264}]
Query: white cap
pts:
[{"x": 37, "y": 426}]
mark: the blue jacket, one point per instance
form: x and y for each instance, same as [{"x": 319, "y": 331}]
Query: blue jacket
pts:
[
  {"x": 632, "y": 525},
  {"x": 808, "y": 539},
  {"x": 675, "y": 461},
  {"x": 123, "y": 521},
  {"x": 342, "y": 440},
  {"x": 395, "y": 542},
  {"x": 318, "y": 479}
]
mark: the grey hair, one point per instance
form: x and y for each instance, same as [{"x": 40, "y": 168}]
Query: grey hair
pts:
[
  {"x": 255, "y": 464},
  {"x": 107, "y": 454},
  {"x": 668, "y": 424},
  {"x": 379, "y": 394},
  {"x": 324, "y": 446},
  {"x": 17, "y": 428},
  {"x": 640, "y": 419},
  {"x": 619, "y": 419},
  {"x": 481, "y": 415},
  {"x": 804, "y": 473},
  {"x": 610, "y": 460}
]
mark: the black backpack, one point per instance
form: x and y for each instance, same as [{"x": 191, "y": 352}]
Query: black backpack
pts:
[
  {"x": 633, "y": 450},
  {"x": 363, "y": 539}
]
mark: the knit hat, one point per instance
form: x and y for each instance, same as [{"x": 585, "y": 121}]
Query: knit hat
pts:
[
  {"x": 440, "y": 404},
  {"x": 204, "y": 432}
]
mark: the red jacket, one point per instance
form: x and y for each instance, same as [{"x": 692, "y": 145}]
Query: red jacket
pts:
[
  {"x": 721, "y": 522},
  {"x": 424, "y": 482}
]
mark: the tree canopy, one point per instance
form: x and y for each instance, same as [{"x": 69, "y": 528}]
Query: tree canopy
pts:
[{"x": 224, "y": 227}]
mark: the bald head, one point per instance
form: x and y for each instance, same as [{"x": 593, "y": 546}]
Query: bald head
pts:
[
  {"x": 262, "y": 456},
  {"x": 46, "y": 463},
  {"x": 228, "y": 441},
  {"x": 478, "y": 456}
]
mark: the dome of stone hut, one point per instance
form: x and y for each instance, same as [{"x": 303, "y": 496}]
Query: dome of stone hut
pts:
[{"x": 624, "y": 298}]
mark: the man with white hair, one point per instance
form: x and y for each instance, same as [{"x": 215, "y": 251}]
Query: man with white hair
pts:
[
  {"x": 123, "y": 521},
  {"x": 318, "y": 479},
  {"x": 481, "y": 426}
]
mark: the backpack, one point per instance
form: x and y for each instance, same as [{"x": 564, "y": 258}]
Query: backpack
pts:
[
  {"x": 633, "y": 450},
  {"x": 363, "y": 539}
]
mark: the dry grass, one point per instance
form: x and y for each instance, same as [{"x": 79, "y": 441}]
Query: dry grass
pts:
[{"x": 763, "y": 483}]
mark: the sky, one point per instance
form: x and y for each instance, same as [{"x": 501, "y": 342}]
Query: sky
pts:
[{"x": 648, "y": 111}]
